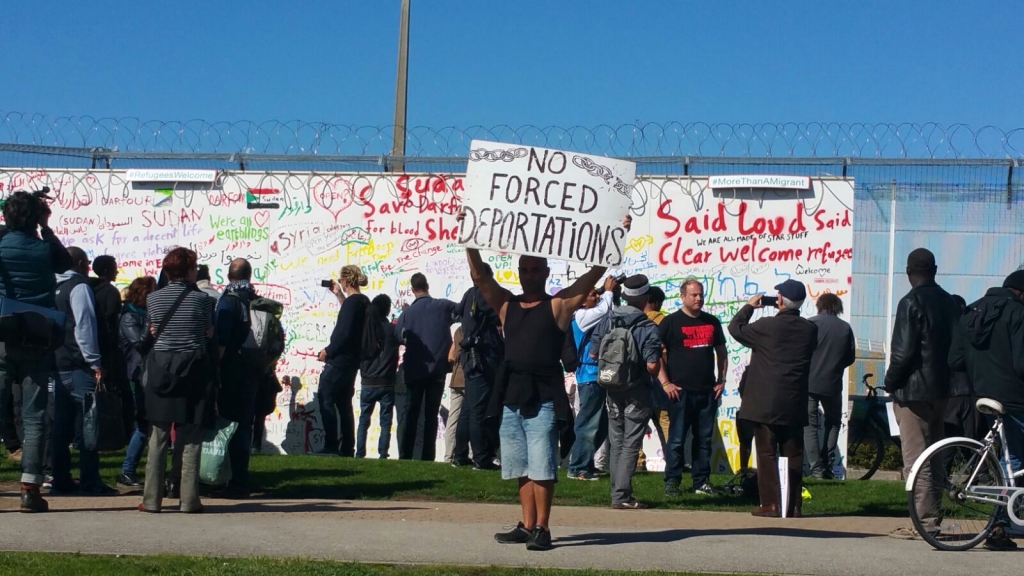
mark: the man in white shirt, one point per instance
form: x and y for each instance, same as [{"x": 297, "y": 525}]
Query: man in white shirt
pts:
[{"x": 591, "y": 424}]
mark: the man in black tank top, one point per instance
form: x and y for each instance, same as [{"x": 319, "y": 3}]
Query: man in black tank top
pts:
[{"x": 529, "y": 391}]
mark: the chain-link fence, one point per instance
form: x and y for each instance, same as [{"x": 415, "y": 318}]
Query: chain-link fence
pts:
[{"x": 955, "y": 189}]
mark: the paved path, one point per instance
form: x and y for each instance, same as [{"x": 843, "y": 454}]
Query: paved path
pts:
[{"x": 444, "y": 533}]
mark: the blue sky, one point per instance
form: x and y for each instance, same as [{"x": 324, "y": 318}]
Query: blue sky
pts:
[{"x": 520, "y": 62}]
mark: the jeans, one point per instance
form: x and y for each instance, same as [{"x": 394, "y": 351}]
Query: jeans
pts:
[
  {"x": 239, "y": 406},
  {"x": 69, "y": 411},
  {"x": 529, "y": 446},
  {"x": 1013, "y": 428},
  {"x": 337, "y": 387},
  {"x": 137, "y": 443},
  {"x": 591, "y": 426},
  {"x": 424, "y": 398},
  {"x": 32, "y": 372},
  {"x": 821, "y": 448},
  {"x": 10, "y": 417},
  {"x": 482, "y": 439},
  {"x": 368, "y": 397},
  {"x": 694, "y": 411}
]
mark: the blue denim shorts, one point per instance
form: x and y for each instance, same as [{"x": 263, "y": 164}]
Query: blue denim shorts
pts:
[{"x": 529, "y": 446}]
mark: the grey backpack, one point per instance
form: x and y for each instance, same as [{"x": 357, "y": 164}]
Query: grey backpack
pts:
[{"x": 619, "y": 365}]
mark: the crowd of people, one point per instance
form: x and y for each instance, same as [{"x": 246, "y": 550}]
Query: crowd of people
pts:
[
  {"x": 186, "y": 354},
  {"x": 174, "y": 351}
]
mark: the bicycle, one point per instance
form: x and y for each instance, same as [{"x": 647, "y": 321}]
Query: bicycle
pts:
[
  {"x": 869, "y": 430},
  {"x": 971, "y": 478}
]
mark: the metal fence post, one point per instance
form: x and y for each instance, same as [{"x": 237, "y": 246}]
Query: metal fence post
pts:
[{"x": 1009, "y": 184}]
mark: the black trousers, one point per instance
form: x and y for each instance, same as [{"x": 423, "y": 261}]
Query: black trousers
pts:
[
  {"x": 423, "y": 400},
  {"x": 789, "y": 442}
]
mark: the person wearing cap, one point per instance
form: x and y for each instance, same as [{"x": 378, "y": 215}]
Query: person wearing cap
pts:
[
  {"x": 630, "y": 410},
  {"x": 695, "y": 365},
  {"x": 989, "y": 345},
  {"x": 776, "y": 390},
  {"x": 918, "y": 377},
  {"x": 80, "y": 370}
]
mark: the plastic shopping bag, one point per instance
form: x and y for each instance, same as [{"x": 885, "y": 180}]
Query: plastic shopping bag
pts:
[
  {"x": 103, "y": 422},
  {"x": 214, "y": 465}
]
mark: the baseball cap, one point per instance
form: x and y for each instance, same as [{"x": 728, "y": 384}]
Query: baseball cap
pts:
[{"x": 792, "y": 290}]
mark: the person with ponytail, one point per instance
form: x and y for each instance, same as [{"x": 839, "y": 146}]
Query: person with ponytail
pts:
[{"x": 342, "y": 357}]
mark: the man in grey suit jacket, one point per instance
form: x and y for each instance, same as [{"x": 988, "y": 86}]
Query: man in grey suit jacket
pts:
[{"x": 836, "y": 350}]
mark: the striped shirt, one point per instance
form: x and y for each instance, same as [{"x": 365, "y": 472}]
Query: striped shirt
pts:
[{"x": 188, "y": 328}]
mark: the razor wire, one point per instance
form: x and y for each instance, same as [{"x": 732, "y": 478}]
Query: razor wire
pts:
[{"x": 670, "y": 139}]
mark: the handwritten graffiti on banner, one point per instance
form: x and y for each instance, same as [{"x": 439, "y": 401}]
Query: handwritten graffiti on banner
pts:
[{"x": 545, "y": 202}]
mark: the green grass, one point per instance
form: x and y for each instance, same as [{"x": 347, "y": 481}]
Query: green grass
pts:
[
  {"x": 83, "y": 565},
  {"x": 327, "y": 477}
]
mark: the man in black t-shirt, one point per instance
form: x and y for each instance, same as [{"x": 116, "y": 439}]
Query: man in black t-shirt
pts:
[{"x": 693, "y": 341}]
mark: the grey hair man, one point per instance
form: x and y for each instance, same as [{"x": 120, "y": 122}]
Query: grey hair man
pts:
[{"x": 774, "y": 389}]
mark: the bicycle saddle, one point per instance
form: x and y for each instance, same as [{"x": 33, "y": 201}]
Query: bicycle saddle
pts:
[{"x": 990, "y": 406}]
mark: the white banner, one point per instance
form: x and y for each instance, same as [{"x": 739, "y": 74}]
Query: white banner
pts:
[
  {"x": 544, "y": 202},
  {"x": 393, "y": 225}
]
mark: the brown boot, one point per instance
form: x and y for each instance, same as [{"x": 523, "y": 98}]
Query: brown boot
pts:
[
  {"x": 31, "y": 500},
  {"x": 768, "y": 511}
]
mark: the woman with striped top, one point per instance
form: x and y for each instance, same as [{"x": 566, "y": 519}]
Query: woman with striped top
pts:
[{"x": 177, "y": 382}]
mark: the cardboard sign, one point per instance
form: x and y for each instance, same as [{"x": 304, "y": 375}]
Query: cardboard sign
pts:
[{"x": 549, "y": 203}]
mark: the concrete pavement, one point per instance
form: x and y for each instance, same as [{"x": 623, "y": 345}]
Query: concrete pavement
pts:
[{"x": 450, "y": 533}]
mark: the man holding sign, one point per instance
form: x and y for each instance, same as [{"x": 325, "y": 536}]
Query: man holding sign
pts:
[{"x": 530, "y": 201}]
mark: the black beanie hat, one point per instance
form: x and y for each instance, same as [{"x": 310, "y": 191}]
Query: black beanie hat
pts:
[{"x": 1015, "y": 280}]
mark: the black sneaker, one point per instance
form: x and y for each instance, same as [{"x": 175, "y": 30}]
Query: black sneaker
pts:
[
  {"x": 486, "y": 466},
  {"x": 999, "y": 541},
  {"x": 672, "y": 489},
  {"x": 540, "y": 539},
  {"x": 518, "y": 535},
  {"x": 128, "y": 480}
]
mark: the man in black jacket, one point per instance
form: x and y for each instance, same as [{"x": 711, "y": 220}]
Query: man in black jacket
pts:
[
  {"x": 774, "y": 390},
  {"x": 480, "y": 352},
  {"x": 239, "y": 376},
  {"x": 918, "y": 376},
  {"x": 108, "y": 316},
  {"x": 989, "y": 345},
  {"x": 30, "y": 257}
]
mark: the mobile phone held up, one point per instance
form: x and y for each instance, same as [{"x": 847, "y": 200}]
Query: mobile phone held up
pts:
[
  {"x": 769, "y": 301},
  {"x": 326, "y": 283}
]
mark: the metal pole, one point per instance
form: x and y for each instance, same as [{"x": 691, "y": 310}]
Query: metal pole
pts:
[
  {"x": 401, "y": 89},
  {"x": 892, "y": 274}
]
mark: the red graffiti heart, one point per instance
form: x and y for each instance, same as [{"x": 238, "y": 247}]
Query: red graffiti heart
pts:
[
  {"x": 333, "y": 195},
  {"x": 261, "y": 218}
]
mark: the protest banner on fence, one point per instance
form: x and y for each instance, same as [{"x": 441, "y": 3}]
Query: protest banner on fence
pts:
[{"x": 544, "y": 202}]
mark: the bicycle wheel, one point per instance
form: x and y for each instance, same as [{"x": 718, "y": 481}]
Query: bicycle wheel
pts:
[
  {"x": 962, "y": 520},
  {"x": 864, "y": 450}
]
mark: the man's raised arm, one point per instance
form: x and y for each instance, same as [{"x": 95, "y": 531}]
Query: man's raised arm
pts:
[
  {"x": 570, "y": 299},
  {"x": 494, "y": 294}
]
